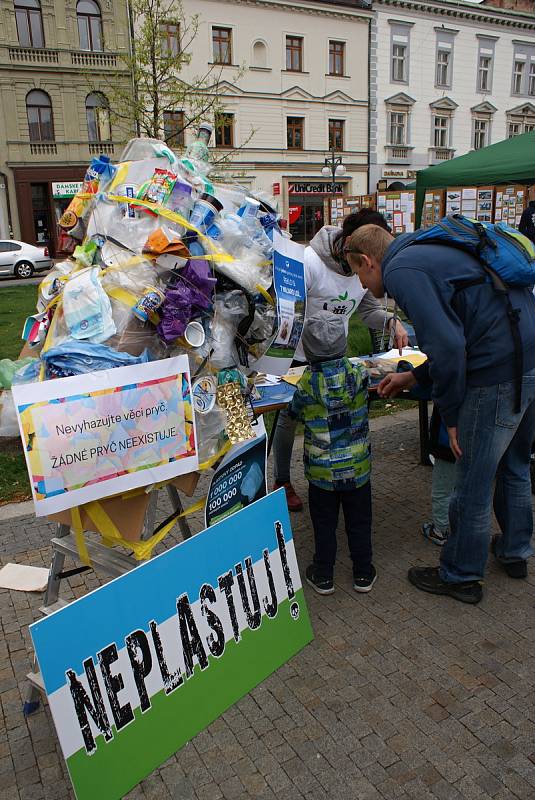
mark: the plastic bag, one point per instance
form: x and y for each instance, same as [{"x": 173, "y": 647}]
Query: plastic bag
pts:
[
  {"x": 9, "y": 426},
  {"x": 74, "y": 357},
  {"x": 9, "y": 368},
  {"x": 230, "y": 308}
]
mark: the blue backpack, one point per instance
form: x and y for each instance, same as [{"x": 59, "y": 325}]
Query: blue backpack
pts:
[
  {"x": 500, "y": 248},
  {"x": 507, "y": 257}
]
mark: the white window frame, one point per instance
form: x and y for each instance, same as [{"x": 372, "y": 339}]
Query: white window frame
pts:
[
  {"x": 480, "y": 137},
  {"x": 484, "y": 71},
  {"x": 441, "y": 131},
  {"x": 518, "y": 74},
  {"x": 400, "y": 124},
  {"x": 531, "y": 79},
  {"x": 399, "y": 62},
  {"x": 443, "y": 67}
]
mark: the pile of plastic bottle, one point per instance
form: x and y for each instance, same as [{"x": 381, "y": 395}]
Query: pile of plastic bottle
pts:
[{"x": 163, "y": 262}]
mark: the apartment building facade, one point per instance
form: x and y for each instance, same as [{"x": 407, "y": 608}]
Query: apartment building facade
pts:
[
  {"x": 57, "y": 57},
  {"x": 302, "y": 91},
  {"x": 447, "y": 77}
]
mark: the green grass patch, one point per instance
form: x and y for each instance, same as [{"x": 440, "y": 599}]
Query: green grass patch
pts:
[
  {"x": 359, "y": 342},
  {"x": 14, "y": 483},
  {"x": 16, "y": 303}
]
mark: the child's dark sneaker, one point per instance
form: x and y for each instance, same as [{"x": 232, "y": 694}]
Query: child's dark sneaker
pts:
[
  {"x": 319, "y": 583},
  {"x": 364, "y": 583},
  {"x": 434, "y": 534}
]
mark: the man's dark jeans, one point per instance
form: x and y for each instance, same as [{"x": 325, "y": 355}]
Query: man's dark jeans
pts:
[{"x": 496, "y": 445}]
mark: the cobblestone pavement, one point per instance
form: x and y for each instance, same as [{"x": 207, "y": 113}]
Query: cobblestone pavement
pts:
[{"x": 401, "y": 694}]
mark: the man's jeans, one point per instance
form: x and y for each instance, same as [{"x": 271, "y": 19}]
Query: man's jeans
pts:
[
  {"x": 496, "y": 444},
  {"x": 283, "y": 443}
]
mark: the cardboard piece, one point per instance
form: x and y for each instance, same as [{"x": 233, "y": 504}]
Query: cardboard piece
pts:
[{"x": 128, "y": 513}]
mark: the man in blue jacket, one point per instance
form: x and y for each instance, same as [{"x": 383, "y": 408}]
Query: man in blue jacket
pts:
[{"x": 466, "y": 335}]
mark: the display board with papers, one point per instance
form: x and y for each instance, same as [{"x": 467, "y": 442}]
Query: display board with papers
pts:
[
  {"x": 398, "y": 209},
  {"x": 510, "y": 203}
]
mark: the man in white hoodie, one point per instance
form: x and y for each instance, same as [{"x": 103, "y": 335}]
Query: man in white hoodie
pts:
[{"x": 331, "y": 286}]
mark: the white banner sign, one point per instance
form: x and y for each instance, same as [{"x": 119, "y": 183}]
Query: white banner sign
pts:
[{"x": 98, "y": 434}]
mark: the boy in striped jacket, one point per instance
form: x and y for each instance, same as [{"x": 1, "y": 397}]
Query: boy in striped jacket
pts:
[{"x": 331, "y": 400}]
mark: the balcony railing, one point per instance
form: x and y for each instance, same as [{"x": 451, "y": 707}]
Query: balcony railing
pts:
[
  {"x": 398, "y": 154},
  {"x": 91, "y": 59},
  {"x": 438, "y": 154},
  {"x": 106, "y": 148},
  {"x": 67, "y": 152},
  {"x": 43, "y": 148},
  {"x": 66, "y": 59},
  {"x": 33, "y": 55}
]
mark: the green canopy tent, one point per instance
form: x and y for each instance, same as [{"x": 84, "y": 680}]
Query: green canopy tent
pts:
[{"x": 510, "y": 161}]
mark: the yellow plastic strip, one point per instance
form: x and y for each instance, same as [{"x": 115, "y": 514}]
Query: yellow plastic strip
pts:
[
  {"x": 265, "y": 294},
  {"x": 144, "y": 550},
  {"x": 122, "y": 295},
  {"x": 79, "y": 536},
  {"x": 129, "y": 299}
]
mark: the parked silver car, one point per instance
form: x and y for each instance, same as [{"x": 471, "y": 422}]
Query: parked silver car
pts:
[{"x": 21, "y": 259}]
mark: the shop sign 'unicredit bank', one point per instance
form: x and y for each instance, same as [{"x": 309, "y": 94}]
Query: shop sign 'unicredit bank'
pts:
[{"x": 305, "y": 206}]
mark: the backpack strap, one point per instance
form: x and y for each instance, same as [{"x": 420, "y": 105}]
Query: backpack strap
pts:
[{"x": 513, "y": 315}]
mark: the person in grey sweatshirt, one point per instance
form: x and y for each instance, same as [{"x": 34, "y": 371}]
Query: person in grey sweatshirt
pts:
[{"x": 331, "y": 286}]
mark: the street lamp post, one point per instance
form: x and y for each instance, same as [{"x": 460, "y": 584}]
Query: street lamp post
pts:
[{"x": 333, "y": 169}]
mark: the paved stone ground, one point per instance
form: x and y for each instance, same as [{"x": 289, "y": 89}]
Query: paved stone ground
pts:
[{"x": 401, "y": 694}]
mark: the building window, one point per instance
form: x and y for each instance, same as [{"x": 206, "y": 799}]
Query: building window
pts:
[
  {"x": 518, "y": 74},
  {"x": 294, "y": 133},
  {"x": 294, "y": 53},
  {"x": 170, "y": 38},
  {"x": 29, "y": 23},
  {"x": 40, "y": 120},
  {"x": 224, "y": 130},
  {"x": 222, "y": 45},
  {"x": 97, "y": 111},
  {"x": 441, "y": 129},
  {"x": 481, "y": 132},
  {"x": 483, "y": 74},
  {"x": 337, "y": 51},
  {"x": 173, "y": 126},
  {"x": 531, "y": 79},
  {"x": 443, "y": 67},
  {"x": 397, "y": 127},
  {"x": 336, "y": 134},
  {"x": 399, "y": 62},
  {"x": 89, "y": 25},
  {"x": 520, "y": 120}
]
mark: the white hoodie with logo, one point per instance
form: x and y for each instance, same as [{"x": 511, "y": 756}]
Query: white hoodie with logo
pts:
[{"x": 328, "y": 288}]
